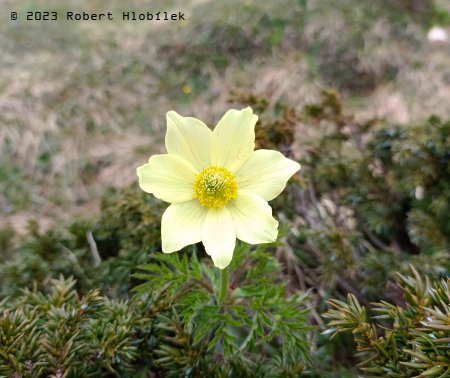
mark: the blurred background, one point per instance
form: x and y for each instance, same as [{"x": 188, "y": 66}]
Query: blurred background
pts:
[{"x": 83, "y": 102}]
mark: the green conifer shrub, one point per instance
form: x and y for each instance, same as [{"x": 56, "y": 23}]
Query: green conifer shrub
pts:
[
  {"x": 98, "y": 253},
  {"x": 62, "y": 334},
  {"x": 372, "y": 198},
  {"x": 407, "y": 340},
  {"x": 177, "y": 324}
]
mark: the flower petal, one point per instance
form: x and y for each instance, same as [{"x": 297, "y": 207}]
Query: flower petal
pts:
[
  {"x": 253, "y": 219},
  {"x": 189, "y": 138},
  {"x": 219, "y": 236},
  {"x": 181, "y": 225},
  {"x": 233, "y": 139},
  {"x": 167, "y": 177},
  {"x": 266, "y": 173}
]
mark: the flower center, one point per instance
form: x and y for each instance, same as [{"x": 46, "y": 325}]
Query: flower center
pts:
[{"x": 214, "y": 187}]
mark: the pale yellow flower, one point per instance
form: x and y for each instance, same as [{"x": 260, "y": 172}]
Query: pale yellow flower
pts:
[{"x": 218, "y": 186}]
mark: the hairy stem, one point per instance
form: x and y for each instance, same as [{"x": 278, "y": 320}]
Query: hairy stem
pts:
[{"x": 224, "y": 285}]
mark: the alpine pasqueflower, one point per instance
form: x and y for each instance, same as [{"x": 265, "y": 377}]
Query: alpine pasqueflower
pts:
[{"x": 218, "y": 186}]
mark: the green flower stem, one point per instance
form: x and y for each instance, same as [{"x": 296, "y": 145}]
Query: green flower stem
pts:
[{"x": 224, "y": 285}]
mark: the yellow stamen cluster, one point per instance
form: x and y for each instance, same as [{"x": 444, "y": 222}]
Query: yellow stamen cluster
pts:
[{"x": 214, "y": 187}]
